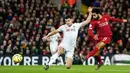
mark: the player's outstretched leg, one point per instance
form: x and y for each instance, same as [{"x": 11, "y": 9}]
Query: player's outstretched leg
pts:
[
  {"x": 68, "y": 63},
  {"x": 54, "y": 57},
  {"x": 52, "y": 60},
  {"x": 100, "y": 63},
  {"x": 92, "y": 53},
  {"x": 98, "y": 66}
]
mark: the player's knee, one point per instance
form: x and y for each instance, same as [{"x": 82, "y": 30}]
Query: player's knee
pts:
[
  {"x": 60, "y": 50},
  {"x": 100, "y": 45},
  {"x": 68, "y": 67},
  {"x": 97, "y": 54}
]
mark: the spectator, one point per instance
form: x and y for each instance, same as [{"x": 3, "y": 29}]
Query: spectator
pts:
[
  {"x": 128, "y": 46},
  {"x": 77, "y": 59},
  {"x": 83, "y": 54}
]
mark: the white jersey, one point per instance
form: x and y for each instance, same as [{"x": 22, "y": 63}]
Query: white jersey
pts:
[
  {"x": 54, "y": 42},
  {"x": 54, "y": 38},
  {"x": 69, "y": 35}
]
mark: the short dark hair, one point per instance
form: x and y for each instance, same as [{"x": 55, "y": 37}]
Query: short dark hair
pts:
[
  {"x": 68, "y": 16},
  {"x": 96, "y": 10}
]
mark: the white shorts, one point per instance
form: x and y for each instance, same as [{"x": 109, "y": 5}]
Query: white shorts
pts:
[{"x": 69, "y": 50}]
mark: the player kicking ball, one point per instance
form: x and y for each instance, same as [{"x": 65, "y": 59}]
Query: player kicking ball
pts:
[
  {"x": 68, "y": 43},
  {"x": 103, "y": 35}
]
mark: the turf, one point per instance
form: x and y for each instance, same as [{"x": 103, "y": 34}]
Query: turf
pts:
[{"x": 62, "y": 69}]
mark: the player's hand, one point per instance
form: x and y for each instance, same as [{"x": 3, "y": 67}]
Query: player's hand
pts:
[
  {"x": 124, "y": 20},
  {"x": 96, "y": 37},
  {"x": 90, "y": 9},
  {"x": 48, "y": 39},
  {"x": 44, "y": 38}
]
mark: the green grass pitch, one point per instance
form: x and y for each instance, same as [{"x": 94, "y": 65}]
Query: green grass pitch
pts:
[{"x": 62, "y": 69}]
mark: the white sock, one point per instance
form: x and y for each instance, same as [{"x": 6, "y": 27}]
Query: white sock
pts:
[{"x": 53, "y": 58}]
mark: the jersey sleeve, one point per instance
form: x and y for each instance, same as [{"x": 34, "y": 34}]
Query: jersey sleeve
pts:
[
  {"x": 61, "y": 28},
  {"x": 114, "y": 19},
  {"x": 90, "y": 29},
  {"x": 78, "y": 25}
]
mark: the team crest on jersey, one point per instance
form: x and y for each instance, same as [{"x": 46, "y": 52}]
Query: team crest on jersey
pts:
[
  {"x": 67, "y": 29},
  {"x": 71, "y": 29},
  {"x": 103, "y": 24}
]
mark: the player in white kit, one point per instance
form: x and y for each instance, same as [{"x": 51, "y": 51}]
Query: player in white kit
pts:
[
  {"x": 54, "y": 41},
  {"x": 68, "y": 43}
]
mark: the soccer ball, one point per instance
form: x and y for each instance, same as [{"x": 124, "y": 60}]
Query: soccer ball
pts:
[{"x": 17, "y": 58}]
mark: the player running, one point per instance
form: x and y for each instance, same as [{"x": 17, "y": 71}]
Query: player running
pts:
[
  {"x": 103, "y": 35},
  {"x": 68, "y": 43}
]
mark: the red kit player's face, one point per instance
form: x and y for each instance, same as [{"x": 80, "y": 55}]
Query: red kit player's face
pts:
[{"x": 95, "y": 16}]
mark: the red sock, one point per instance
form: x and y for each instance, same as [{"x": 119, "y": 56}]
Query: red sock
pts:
[
  {"x": 92, "y": 53},
  {"x": 98, "y": 58}
]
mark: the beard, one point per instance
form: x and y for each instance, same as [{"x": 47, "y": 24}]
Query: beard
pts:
[
  {"x": 96, "y": 18},
  {"x": 69, "y": 25}
]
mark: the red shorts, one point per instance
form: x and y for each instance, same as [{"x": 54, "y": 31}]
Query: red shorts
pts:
[{"x": 106, "y": 40}]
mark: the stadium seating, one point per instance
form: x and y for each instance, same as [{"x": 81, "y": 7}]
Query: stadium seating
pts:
[{"x": 23, "y": 23}]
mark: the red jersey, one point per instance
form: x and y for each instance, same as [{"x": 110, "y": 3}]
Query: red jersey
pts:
[{"x": 102, "y": 26}]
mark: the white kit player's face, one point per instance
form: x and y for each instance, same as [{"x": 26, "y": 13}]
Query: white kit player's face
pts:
[{"x": 69, "y": 21}]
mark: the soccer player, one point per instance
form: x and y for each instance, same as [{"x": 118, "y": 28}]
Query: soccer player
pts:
[
  {"x": 103, "y": 35},
  {"x": 68, "y": 43},
  {"x": 54, "y": 41}
]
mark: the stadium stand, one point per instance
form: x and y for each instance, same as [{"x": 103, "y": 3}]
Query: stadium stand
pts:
[{"x": 23, "y": 23}]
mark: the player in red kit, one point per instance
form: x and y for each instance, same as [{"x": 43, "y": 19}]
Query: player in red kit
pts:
[{"x": 103, "y": 35}]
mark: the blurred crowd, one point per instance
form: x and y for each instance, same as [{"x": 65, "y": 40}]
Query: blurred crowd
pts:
[{"x": 23, "y": 23}]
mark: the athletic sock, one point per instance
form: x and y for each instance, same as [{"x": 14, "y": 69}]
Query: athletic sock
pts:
[
  {"x": 98, "y": 59},
  {"x": 92, "y": 53},
  {"x": 53, "y": 58}
]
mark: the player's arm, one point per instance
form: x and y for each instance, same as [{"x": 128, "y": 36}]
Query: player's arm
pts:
[
  {"x": 60, "y": 29},
  {"x": 116, "y": 19},
  {"x": 90, "y": 31},
  {"x": 50, "y": 34},
  {"x": 88, "y": 19},
  {"x": 48, "y": 39}
]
